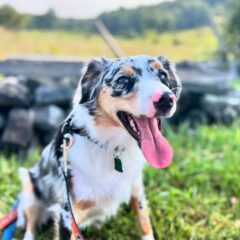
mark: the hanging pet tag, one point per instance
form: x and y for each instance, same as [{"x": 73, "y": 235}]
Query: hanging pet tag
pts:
[{"x": 118, "y": 164}]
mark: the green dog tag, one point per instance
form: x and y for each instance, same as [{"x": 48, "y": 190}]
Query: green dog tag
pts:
[{"x": 118, "y": 164}]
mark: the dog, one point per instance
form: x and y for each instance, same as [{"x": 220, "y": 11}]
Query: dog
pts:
[{"x": 115, "y": 125}]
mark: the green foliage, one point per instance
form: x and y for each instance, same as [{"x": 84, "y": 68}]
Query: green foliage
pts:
[
  {"x": 10, "y": 18},
  {"x": 215, "y": 2},
  {"x": 166, "y": 16},
  {"x": 50, "y": 21},
  {"x": 46, "y": 21},
  {"x": 192, "y": 199},
  {"x": 234, "y": 18},
  {"x": 163, "y": 17},
  {"x": 236, "y": 84},
  {"x": 233, "y": 26},
  {"x": 9, "y": 182}
]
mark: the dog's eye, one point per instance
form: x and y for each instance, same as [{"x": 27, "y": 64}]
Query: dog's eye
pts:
[
  {"x": 122, "y": 86},
  {"x": 163, "y": 76},
  {"x": 123, "y": 80}
]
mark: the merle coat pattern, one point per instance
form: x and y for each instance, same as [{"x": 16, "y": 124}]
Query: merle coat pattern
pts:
[{"x": 112, "y": 97}]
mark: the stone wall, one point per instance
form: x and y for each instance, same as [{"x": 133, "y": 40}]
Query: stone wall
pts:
[
  {"x": 32, "y": 109},
  {"x": 208, "y": 95}
]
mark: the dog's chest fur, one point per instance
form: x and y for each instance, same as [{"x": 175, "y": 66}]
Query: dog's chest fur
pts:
[{"x": 95, "y": 177}]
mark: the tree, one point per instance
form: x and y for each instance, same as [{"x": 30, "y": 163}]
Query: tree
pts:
[
  {"x": 45, "y": 21},
  {"x": 233, "y": 29},
  {"x": 10, "y": 18}
]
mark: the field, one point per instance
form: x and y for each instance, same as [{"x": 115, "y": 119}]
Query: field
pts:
[
  {"x": 198, "y": 44},
  {"x": 197, "y": 197}
]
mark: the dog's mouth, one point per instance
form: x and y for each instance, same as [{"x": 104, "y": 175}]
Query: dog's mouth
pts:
[{"x": 152, "y": 143}]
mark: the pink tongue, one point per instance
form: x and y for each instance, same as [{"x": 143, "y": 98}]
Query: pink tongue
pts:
[{"x": 154, "y": 146}]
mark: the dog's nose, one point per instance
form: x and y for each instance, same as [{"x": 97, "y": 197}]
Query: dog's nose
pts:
[{"x": 165, "y": 102}]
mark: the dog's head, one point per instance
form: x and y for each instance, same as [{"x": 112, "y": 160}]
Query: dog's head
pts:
[{"x": 133, "y": 93}]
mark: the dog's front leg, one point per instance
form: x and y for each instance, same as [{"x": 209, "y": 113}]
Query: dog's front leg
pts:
[
  {"x": 139, "y": 205},
  {"x": 81, "y": 211}
]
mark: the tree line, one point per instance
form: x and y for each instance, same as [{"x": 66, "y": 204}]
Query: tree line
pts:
[{"x": 166, "y": 16}]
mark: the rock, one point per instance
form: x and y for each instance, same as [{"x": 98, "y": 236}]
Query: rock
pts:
[
  {"x": 196, "y": 117},
  {"x": 45, "y": 137},
  {"x": 2, "y": 122},
  {"x": 208, "y": 67},
  {"x": 13, "y": 94},
  {"x": 186, "y": 64},
  {"x": 204, "y": 77},
  {"x": 59, "y": 94},
  {"x": 30, "y": 83},
  {"x": 222, "y": 108},
  {"x": 235, "y": 93},
  {"x": 19, "y": 128},
  {"x": 187, "y": 104},
  {"x": 48, "y": 118}
]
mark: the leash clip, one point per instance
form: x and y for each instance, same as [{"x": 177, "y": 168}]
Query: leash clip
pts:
[{"x": 68, "y": 142}]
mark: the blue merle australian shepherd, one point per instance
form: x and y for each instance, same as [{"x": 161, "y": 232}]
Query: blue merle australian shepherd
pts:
[{"x": 114, "y": 122}]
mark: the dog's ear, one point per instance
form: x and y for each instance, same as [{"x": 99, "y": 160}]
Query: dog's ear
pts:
[
  {"x": 166, "y": 63},
  {"x": 90, "y": 82},
  {"x": 174, "y": 81}
]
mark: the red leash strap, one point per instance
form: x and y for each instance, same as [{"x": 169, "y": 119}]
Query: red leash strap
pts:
[
  {"x": 75, "y": 231},
  {"x": 9, "y": 218},
  {"x": 68, "y": 141}
]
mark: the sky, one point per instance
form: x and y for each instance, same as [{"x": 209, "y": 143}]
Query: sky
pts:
[{"x": 74, "y": 8}]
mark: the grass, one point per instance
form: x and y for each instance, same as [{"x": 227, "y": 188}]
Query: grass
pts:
[
  {"x": 197, "y": 44},
  {"x": 236, "y": 84},
  {"x": 197, "y": 197}
]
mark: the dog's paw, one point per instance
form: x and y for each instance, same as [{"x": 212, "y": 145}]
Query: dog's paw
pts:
[
  {"x": 148, "y": 237},
  {"x": 28, "y": 236},
  {"x": 23, "y": 174},
  {"x": 98, "y": 225}
]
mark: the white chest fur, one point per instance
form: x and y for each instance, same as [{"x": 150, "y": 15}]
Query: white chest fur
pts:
[{"x": 94, "y": 176}]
